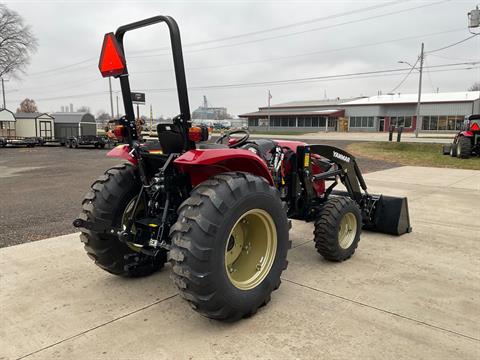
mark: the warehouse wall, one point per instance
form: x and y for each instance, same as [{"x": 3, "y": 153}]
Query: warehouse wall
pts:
[{"x": 446, "y": 109}]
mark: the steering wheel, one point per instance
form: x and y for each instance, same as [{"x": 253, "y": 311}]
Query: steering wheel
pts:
[{"x": 238, "y": 143}]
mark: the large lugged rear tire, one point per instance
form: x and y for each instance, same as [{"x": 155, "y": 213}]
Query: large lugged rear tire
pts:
[
  {"x": 229, "y": 245},
  {"x": 104, "y": 206},
  {"x": 338, "y": 228},
  {"x": 464, "y": 147}
]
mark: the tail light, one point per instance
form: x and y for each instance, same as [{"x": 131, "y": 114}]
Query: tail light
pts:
[
  {"x": 119, "y": 131},
  {"x": 198, "y": 133}
]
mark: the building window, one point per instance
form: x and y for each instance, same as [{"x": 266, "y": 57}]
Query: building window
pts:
[
  {"x": 301, "y": 122},
  {"x": 401, "y": 121},
  {"x": 370, "y": 122},
  {"x": 358, "y": 122},
  {"x": 252, "y": 122},
  {"x": 425, "y": 122},
  {"x": 442, "y": 123},
  {"x": 436, "y": 123}
]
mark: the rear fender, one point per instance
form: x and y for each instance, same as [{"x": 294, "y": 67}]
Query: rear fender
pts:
[
  {"x": 202, "y": 164},
  {"x": 122, "y": 152},
  {"x": 466, "y": 133}
]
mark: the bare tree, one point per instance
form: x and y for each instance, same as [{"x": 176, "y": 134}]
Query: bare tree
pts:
[
  {"x": 103, "y": 117},
  {"x": 17, "y": 42},
  {"x": 27, "y": 106},
  {"x": 83, "y": 108},
  {"x": 475, "y": 87}
]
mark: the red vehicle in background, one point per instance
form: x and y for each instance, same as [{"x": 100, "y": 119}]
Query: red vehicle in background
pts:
[{"x": 467, "y": 142}]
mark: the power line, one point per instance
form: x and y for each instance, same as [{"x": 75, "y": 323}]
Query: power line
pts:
[
  {"x": 303, "y": 54},
  {"x": 281, "y": 82},
  {"x": 406, "y": 77},
  {"x": 454, "y": 44},
  {"x": 305, "y": 22},
  {"x": 306, "y": 31},
  {"x": 429, "y": 75},
  {"x": 65, "y": 71},
  {"x": 453, "y": 58},
  {"x": 264, "y": 39}
]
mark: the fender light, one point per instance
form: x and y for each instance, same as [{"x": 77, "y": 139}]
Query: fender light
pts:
[
  {"x": 198, "y": 133},
  {"x": 112, "y": 60}
]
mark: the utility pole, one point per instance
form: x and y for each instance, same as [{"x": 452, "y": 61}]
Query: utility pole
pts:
[
  {"x": 118, "y": 112},
  {"x": 111, "y": 96},
  {"x": 418, "y": 122},
  {"x": 269, "y": 98},
  {"x": 151, "y": 119},
  {"x": 3, "y": 92}
]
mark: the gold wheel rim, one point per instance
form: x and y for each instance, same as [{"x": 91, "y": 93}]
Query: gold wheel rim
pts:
[
  {"x": 126, "y": 214},
  {"x": 347, "y": 230},
  {"x": 250, "y": 249}
]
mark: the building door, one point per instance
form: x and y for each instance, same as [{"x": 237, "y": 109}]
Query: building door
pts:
[
  {"x": 46, "y": 129},
  {"x": 381, "y": 126}
]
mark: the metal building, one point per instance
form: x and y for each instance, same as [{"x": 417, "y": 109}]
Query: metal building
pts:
[
  {"x": 439, "y": 112},
  {"x": 74, "y": 124}
]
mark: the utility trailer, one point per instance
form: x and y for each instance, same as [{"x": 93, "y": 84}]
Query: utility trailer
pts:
[
  {"x": 74, "y": 129},
  {"x": 21, "y": 141}
]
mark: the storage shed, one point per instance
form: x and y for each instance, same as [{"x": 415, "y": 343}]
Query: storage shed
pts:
[
  {"x": 74, "y": 124},
  {"x": 7, "y": 124},
  {"x": 35, "y": 125}
]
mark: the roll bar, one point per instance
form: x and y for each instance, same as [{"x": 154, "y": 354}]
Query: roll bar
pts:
[{"x": 184, "y": 117}]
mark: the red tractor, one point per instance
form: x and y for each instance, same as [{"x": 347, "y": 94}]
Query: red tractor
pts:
[
  {"x": 467, "y": 142},
  {"x": 219, "y": 213}
]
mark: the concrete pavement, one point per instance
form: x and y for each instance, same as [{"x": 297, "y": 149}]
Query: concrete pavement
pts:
[{"x": 410, "y": 297}]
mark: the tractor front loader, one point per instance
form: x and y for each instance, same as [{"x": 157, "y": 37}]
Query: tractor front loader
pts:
[{"x": 219, "y": 212}]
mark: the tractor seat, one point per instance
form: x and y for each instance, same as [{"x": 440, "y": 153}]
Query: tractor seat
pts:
[
  {"x": 261, "y": 147},
  {"x": 212, "y": 146}
]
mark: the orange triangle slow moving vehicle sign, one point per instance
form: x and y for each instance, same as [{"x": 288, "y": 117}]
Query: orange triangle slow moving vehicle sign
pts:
[{"x": 112, "y": 60}]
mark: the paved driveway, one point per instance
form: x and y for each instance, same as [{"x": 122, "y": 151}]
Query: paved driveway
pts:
[{"x": 410, "y": 297}]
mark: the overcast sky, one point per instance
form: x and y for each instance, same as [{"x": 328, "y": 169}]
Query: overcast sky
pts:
[{"x": 338, "y": 40}]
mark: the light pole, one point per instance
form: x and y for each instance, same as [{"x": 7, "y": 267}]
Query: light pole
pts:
[
  {"x": 111, "y": 96},
  {"x": 417, "y": 122}
]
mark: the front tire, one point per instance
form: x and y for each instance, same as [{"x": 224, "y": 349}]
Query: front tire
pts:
[
  {"x": 464, "y": 147},
  {"x": 104, "y": 207},
  {"x": 337, "y": 229},
  {"x": 453, "y": 150},
  {"x": 229, "y": 245}
]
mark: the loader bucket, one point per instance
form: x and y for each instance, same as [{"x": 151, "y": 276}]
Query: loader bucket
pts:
[{"x": 391, "y": 216}]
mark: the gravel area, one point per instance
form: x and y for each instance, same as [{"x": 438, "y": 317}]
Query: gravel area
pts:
[{"x": 41, "y": 188}]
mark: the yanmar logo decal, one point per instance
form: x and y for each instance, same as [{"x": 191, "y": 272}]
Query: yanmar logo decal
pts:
[{"x": 341, "y": 156}]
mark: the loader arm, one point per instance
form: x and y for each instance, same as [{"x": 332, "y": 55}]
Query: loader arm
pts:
[{"x": 386, "y": 214}]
